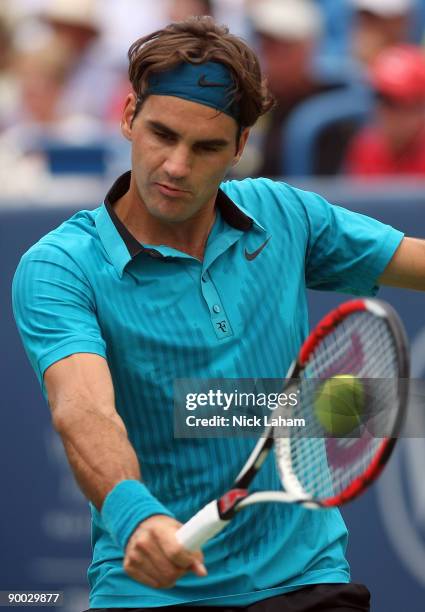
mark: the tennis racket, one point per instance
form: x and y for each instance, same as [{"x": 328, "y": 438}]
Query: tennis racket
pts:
[{"x": 362, "y": 338}]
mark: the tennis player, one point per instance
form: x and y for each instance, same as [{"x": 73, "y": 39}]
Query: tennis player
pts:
[{"x": 181, "y": 275}]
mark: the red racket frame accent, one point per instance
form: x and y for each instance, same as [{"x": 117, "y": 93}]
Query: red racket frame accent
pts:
[
  {"x": 228, "y": 501},
  {"x": 323, "y": 328},
  {"x": 363, "y": 480},
  {"x": 326, "y": 325}
]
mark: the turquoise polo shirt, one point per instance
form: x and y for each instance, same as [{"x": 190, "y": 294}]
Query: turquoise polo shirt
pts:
[{"x": 157, "y": 314}]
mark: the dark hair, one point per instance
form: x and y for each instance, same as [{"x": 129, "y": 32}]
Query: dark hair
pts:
[{"x": 197, "y": 40}]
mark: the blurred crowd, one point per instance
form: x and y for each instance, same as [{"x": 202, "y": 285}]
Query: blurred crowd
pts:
[{"x": 348, "y": 77}]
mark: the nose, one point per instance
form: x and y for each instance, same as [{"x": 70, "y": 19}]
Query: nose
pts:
[{"x": 177, "y": 163}]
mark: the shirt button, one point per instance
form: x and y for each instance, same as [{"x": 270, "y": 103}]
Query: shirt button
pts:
[{"x": 216, "y": 308}]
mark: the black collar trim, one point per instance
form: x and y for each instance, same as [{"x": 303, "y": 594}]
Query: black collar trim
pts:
[{"x": 230, "y": 212}]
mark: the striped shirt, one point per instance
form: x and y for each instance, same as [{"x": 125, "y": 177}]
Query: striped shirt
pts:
[{"x": 157, "y": 314}]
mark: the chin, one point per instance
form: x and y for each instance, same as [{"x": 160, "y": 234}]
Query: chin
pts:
[{"x": 169, "y": 216}]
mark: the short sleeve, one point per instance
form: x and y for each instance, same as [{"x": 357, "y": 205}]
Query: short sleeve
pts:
[
  {"x": 54, "y": 308},
  {"x": 346, "y": 251}
]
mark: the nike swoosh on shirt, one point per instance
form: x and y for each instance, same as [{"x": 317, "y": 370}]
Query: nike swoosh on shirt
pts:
[{"x": 251, "y": 256}]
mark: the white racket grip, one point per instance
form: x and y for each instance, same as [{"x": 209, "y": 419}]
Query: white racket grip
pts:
[{"x": 204, "y": 525}]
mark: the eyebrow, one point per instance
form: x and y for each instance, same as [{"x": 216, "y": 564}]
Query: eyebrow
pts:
[{"x": 211, "y": 142}]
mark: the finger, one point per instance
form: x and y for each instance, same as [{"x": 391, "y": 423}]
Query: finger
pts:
[
  {"x": 144, "y": 578},
  {"x": 137, "y": 572},
  {"x": 199, "y": 568},
  {"x": 181, "y": 557},
  {"x": 147, "y": 556},
  {"x": 142, "y": 570}
]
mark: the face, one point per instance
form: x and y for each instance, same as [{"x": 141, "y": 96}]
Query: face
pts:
[
  {"x": 40, "y": 89},
  {"x": 286, "y": 63},
  {"x": 179, "y": 10},
  {"x": 181, "y": 151},
  {"x": 373, "y": 33},
  {"x": 78, "y": 37},
  {"x": 401, "y": 123}
]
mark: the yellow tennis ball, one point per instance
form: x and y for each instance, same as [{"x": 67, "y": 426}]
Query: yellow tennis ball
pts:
[{"x": 339, "y": 404}]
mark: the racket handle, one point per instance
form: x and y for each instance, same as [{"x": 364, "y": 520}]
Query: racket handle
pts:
[{"x": 204, "y": 525}]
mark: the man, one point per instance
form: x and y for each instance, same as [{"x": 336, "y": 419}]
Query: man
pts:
[
  {"x": 288, "y": 35},
  {"x": 179, "y": 11},
  {"x": 93, "y": 79},
  {"x": 379, "y": 24},
  {"x": 393, "y": 143},
  {"x": 180, "y": 275}
]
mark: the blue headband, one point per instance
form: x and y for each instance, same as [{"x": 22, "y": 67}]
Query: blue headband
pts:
[{"x": 210, "y": 84}]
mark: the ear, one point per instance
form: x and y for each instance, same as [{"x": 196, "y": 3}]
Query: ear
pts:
[
  {"x": 127, "y": 116},
  {"x": 241, "y": 145}
]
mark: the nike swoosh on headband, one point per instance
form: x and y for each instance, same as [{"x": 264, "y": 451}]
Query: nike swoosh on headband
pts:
[
  {"x": 202, "y": 82},
  {"x": 251, "y": 256}
]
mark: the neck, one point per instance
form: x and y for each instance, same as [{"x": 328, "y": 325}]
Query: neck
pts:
[{"x": 189, "y": 236}]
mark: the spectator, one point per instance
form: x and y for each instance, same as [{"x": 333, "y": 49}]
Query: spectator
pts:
[
  {"x": 288, "y": 33},
  {"x": 379, "y": 24},
  {"x": 7, "y": 79},
  {"x": 178, "y": 10},
  {"x": 42, "y": 75},
  {"x": 394, "y": 142},
  {"x": 92, "y": 82}
]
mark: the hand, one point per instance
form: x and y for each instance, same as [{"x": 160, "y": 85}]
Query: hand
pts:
[{"x": 156, "y": 558}]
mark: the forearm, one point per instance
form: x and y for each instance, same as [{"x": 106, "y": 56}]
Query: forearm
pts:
[
  {"x": 82, "y": 400},
  {"x": 98, "y": 450}
]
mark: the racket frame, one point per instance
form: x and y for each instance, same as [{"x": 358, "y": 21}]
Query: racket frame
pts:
[{"x": 211, "y": 519}]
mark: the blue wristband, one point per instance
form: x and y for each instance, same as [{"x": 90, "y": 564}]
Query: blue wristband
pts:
[{"x": 128, "y": 504}]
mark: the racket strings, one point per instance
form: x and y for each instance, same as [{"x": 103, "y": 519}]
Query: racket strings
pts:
[{"x": 361, "y": 346}]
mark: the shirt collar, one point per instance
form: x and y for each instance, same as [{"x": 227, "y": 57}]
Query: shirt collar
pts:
[{"x": 122, "y": 246}]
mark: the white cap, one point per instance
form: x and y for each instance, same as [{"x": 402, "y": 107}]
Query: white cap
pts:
[
  {"x": 384, "y": 8},
  {"x": 286, "y": 19},
  {"x": 75, "y": 12}
]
